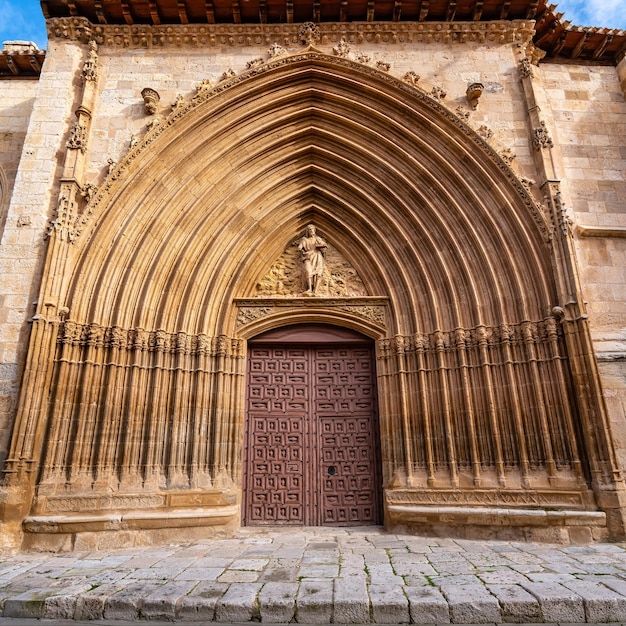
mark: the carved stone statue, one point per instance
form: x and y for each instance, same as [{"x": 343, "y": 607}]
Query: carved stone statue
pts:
[{"x": 313, "y": 250}]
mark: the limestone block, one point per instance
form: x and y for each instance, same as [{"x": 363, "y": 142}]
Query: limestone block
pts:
[
  {"x": 91, "y": 605},
  {"x": 427, "y": 605},
  {"x": 315, "y": 602},
  {"x": 471, "y": 604},
  {"x": 601, "y": 604},
  {"x": 351, "y": 601},
  {"x": 277, "y": 602},
  {"x": 161, "y": 604},
  {"x": 199, "y": 604},
  {"x": 239, "y": 603},
  {"x": 516, "y": 604},
  {"x": 125, "y": 604},
  {"x": 389, "y": 604},
  {"x": 29, "y": 604},
  {"x": 558, "y": 604}
]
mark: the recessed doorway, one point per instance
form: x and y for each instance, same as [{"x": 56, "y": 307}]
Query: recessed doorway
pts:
[{"x": 311, "y": 454}]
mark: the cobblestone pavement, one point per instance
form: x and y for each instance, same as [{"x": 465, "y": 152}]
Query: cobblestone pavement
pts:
[{"x": 322, "y": 576}]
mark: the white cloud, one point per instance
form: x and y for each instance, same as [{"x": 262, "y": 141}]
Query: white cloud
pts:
[{"x": 603, "y": 13}]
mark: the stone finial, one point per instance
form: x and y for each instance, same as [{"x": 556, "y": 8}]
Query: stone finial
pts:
[
  {"x": 309, "y": 33},
  {"x": 473, "y": 93},
  {"x": 151, "y": 100},
  {"x": 541, "y": 137}
]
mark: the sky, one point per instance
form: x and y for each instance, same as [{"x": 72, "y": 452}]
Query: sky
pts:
[{"x": 23, "y": 19}]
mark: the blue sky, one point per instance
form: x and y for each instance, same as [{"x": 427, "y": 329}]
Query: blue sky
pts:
[{"x": 22, "y": 19}]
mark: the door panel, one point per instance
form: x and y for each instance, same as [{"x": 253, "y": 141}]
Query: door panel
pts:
[{"x": 311, "y": 453}]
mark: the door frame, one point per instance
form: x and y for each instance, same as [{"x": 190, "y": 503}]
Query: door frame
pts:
[{"x": 310, "y": 335}]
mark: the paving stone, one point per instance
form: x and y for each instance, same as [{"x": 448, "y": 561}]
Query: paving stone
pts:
[
  {"x": 471, "y": 604},
  {"x": 516, "y": 604},
  {"x": 277, "y": 602},
  {"x": 125, "y": 604},
  {"x": 29, "y": 603},
  {"x": 351, "y": 602},
  {"x": 389, "y": 604},
  {"x": 161, "y": 604},
  {"x": 427, "y": 605},
  {"x": 314, "y": 604},
  {"x": 199, "y": 604},
  {"x": 90, "y": 605},
  {"x": 239, "y": 603},
  {"x": 62, "y": 605},
  {"x": 200, "y": 573},
  {"x": 601, "y": 603},
  {"x": 558, "y": 604}
]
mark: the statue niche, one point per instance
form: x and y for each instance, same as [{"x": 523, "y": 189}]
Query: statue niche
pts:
[{"x": 310, "y": 266}]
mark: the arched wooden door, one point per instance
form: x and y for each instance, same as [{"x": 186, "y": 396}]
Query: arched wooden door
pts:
[{"x": 311, "y": 454}]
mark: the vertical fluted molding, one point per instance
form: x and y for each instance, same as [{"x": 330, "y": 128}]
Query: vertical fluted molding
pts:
[
  {"x": 399, "y": 345},
  {"x": 485, "y": 367},
  {"x": 421, "y": 342},
  {"x": 446, "y": 408},
  {"x": 514, "y": 403},
  {"x": 459, "y": 338}
]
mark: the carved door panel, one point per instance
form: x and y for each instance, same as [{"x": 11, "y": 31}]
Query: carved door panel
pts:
[{"x": 311, "y": 447}]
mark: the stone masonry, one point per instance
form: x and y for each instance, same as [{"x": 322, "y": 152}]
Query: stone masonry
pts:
[{"x": 321, "y": 576}]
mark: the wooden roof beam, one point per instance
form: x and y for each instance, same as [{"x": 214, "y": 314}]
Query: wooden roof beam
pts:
[
  {"x": 128, "y": 17},
  {"x": 34, "y": 63},
  {"x": 397, "y": 10},
  {"x": 424, "y": 8},
  {"x": 600, "y": 50},
  {"x": 451, "y": 10},
  {"x": 560, "y": 44},
  {"x": 578, "y": 48},
  {"x": 182, "y": 12},
  {"x": 100, "y": 12},
  {"x": 154, "y": 12},
  {"x": 209, "y": 8},
  {"x": 12, "y": 65},
  {"x": 317, "y": 9},
  {"x": 532, "y": 10},
  {"x": 547, "y": 34},
  {"x": 370, "y": 10},
  {"x": 343, "y": 11},
  {"x": 71, "y": 5},
  {"x": 263, "y": 11},
  {"x": 236, "y": 8},
  {"x": 504, "y": 11},
  {"x": 44, "y": 8},
  {"x": 478, "y": 10},
  {"x": 289, "y": 9}
]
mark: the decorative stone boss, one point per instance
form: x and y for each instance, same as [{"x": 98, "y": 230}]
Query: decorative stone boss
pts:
[{"x": 313, "y": 250}]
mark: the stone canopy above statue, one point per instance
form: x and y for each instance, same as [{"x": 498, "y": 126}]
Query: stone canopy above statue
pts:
[{"x": 332, "y": 274}]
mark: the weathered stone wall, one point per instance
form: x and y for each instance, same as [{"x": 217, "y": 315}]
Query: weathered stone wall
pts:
[
  {"x": 588, "y": 107},
  {"x": 34, "y": 114}
]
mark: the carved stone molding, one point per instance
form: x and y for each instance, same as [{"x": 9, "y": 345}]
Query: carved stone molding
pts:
[
  {"x": 372, "y": 309},
  {"x": 541, "y": 137},
  {"x": 240, "y": 35},
  {"x": 487, "y": 497},
  {"x": 75, "y": 334},
  {"x": 229, "y": 79}
]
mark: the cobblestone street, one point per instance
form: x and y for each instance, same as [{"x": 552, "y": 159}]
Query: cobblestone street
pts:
[{"x": 323, "y": 575}]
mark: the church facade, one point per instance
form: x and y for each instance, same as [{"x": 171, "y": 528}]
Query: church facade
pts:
[{"x": 312, "y": 264}]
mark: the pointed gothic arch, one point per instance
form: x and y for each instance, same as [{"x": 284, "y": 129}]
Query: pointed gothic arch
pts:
[{"x": 147, "y": 378}]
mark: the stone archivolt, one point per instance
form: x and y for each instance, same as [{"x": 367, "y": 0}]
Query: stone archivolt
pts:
[{"x": 431, "y": 218}]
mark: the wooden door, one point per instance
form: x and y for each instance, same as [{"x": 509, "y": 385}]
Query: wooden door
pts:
[{"x": 311, "y": 444}]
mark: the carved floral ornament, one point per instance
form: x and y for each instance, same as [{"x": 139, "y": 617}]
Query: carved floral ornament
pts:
[
  {"x": 205, "y": 90},
  {"x": 240, "y": 35}
]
